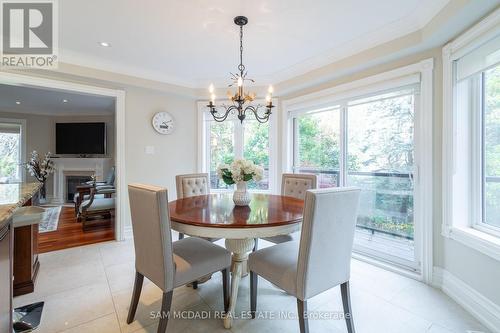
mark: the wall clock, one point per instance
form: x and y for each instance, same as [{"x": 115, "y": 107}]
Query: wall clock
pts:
[{"x": 163, "y": 123}]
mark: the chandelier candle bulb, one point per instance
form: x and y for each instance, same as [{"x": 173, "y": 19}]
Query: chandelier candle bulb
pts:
[
  {"x": 270, "y": 90},
  {"x": 211, "y": 88}
]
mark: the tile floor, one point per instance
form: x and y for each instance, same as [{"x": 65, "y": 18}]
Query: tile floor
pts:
[{"x": 87, "y": 289}]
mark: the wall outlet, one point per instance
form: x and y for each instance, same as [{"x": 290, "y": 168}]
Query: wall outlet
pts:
[{"x": 150, "y": 150}]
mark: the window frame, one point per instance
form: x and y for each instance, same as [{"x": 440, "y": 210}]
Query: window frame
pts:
[
  {"x": 204, "y": 144},
  {"x": 342, "y": 107},
  {"x": 467, "y": 228},
  {"x": 22, "y": 145},
  {"x": 421, "y": 72},
  {"x": 479, "y": 174}
]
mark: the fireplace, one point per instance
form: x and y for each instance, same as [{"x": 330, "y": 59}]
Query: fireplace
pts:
[
  {"x": 67, "y": 168},
  {"x": 72, "y": 182}
]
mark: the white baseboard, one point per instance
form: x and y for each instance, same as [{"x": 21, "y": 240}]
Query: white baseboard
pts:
[{"x": 484, "y": 310}]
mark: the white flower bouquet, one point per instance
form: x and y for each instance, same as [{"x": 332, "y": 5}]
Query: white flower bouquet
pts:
[
  {"x": 40, "y": 169},
  {"x": 240, "y": 171}
]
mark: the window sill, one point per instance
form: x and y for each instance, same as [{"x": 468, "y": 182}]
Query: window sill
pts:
[{"x": 476, "y": 239}]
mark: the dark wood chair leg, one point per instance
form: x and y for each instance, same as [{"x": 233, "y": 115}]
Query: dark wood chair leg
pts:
[
  {"x": 302, "y": 312},
  {"x": 254, "y": 281},
  {"x": 225, "y": 288},
  {"x": 166, "y": 303},
  {"x": 195, "y": 285},
  {"x": 139, "y": 279},
  {"x": 256, "y": 246},
  {"x": 181, "y": 236},
  {"x": 346, "y": 302}
]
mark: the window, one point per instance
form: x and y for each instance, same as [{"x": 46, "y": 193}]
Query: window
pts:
[
  {"x": 318, "y": 146},
  {"x": 368, "y": 142},
  {"x": 381, "y": 162},
  {"x": 10, "y": 152},
  {"x": 471, "y": 137},
  {"x": 221, "y": 141},
  {"x": 256, "y": 149},
  {"x": 231, "y": 139},
  {"x": 491, "y": 147}
]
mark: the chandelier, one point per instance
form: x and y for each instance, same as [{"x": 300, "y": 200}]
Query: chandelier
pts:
[{"x": 241, "y": 101}]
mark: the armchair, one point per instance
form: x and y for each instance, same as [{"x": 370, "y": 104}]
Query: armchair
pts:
[
  {"x": 110, "y": 179},
  {"x": 83, "y": 190},
  {"x": 100, "y": 203}
]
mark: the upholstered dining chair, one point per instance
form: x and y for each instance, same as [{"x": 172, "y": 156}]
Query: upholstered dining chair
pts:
[
  {"x": 190, "y": 185},
  {"x": 293, "y": 185},
  {"x": 321, "y": 260},
  {"x": 168, "y": 264}
]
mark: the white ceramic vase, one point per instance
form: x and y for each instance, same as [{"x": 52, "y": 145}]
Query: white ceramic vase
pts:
[{"x": 241, "y": 197}]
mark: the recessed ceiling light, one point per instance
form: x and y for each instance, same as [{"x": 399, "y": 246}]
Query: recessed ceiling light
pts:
[
  {"x": 104, "y": 44},
  {"x": 65, "y": 101},
  {"x": 18, "y": 102}
]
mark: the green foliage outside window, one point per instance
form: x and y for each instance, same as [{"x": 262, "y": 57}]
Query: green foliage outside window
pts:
[
  {"x": 9, "y": 156},
  {"x": 492, "y": 146}
]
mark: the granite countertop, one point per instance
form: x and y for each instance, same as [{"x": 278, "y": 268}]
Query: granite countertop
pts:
[{"x": 13, "y": 196}]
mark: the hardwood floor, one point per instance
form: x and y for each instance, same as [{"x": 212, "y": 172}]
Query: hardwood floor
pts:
[{"x": 69, "y": 233}]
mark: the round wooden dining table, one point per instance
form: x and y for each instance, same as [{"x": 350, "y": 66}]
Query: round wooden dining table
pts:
[{"x": 216, "y": 216}]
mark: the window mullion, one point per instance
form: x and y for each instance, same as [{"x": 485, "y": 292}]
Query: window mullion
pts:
[
  {"x": 343, "y": 169},
  {"x": 238, "y": 139},
  {"x": 295, "y": 144}
]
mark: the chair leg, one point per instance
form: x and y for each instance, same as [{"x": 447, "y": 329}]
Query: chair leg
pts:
[
  {"x": 166, "y": 303},
  {"x": 302, "y": 312},
  {"x": 181, "y": 236},
  {"x": 225, "y": 288},
  {"x": 346, "y": 302},
  {"x": 254, "y": 281},
  {"x": 256, "y": 246},
  {"x": 139, "y": 279}
]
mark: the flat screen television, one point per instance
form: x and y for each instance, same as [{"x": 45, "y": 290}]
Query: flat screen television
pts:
[{"x": 80, "y": 138}]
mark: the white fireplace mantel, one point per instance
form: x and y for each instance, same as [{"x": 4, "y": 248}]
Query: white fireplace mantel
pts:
[{"x": 63, "y": 166}]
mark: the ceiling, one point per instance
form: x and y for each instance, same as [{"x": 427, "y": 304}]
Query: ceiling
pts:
[
  {"x": 50, "y": 102},
  {"x": 192, "y": 43}
]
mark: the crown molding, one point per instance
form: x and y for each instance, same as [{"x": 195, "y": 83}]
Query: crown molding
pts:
[{"x": 392, "y": 31}]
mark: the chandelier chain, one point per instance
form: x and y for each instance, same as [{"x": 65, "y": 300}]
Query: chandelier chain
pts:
[{"x": 241, "y": 67}]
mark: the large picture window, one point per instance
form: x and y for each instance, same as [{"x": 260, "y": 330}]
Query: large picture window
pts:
[
  {"x": 368, "y": 142},
  {"x": 230, "y": 140},
  {"x": 471, "y": 137},
  {"x": 491, "y": 147}
]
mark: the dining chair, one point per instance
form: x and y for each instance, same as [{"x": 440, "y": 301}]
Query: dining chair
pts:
[
  {"x": 168, "y": 264},
  {"x": 293, "y": 185},
  {"x": 320, "y": 261},
  {"x": 190, "y": 185}
]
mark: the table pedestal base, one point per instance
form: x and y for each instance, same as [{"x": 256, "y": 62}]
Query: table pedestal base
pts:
[{"x": 240, "y": 249}]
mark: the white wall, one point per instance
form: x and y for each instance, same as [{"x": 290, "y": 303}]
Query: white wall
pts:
[{"x": 175, "y": 153}]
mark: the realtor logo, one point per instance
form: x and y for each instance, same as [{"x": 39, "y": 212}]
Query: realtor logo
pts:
[{"x": 29, "y": 38}]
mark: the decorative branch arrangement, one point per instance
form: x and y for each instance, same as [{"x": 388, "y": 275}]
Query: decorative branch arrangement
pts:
[{"x": 40, "y": 169}]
